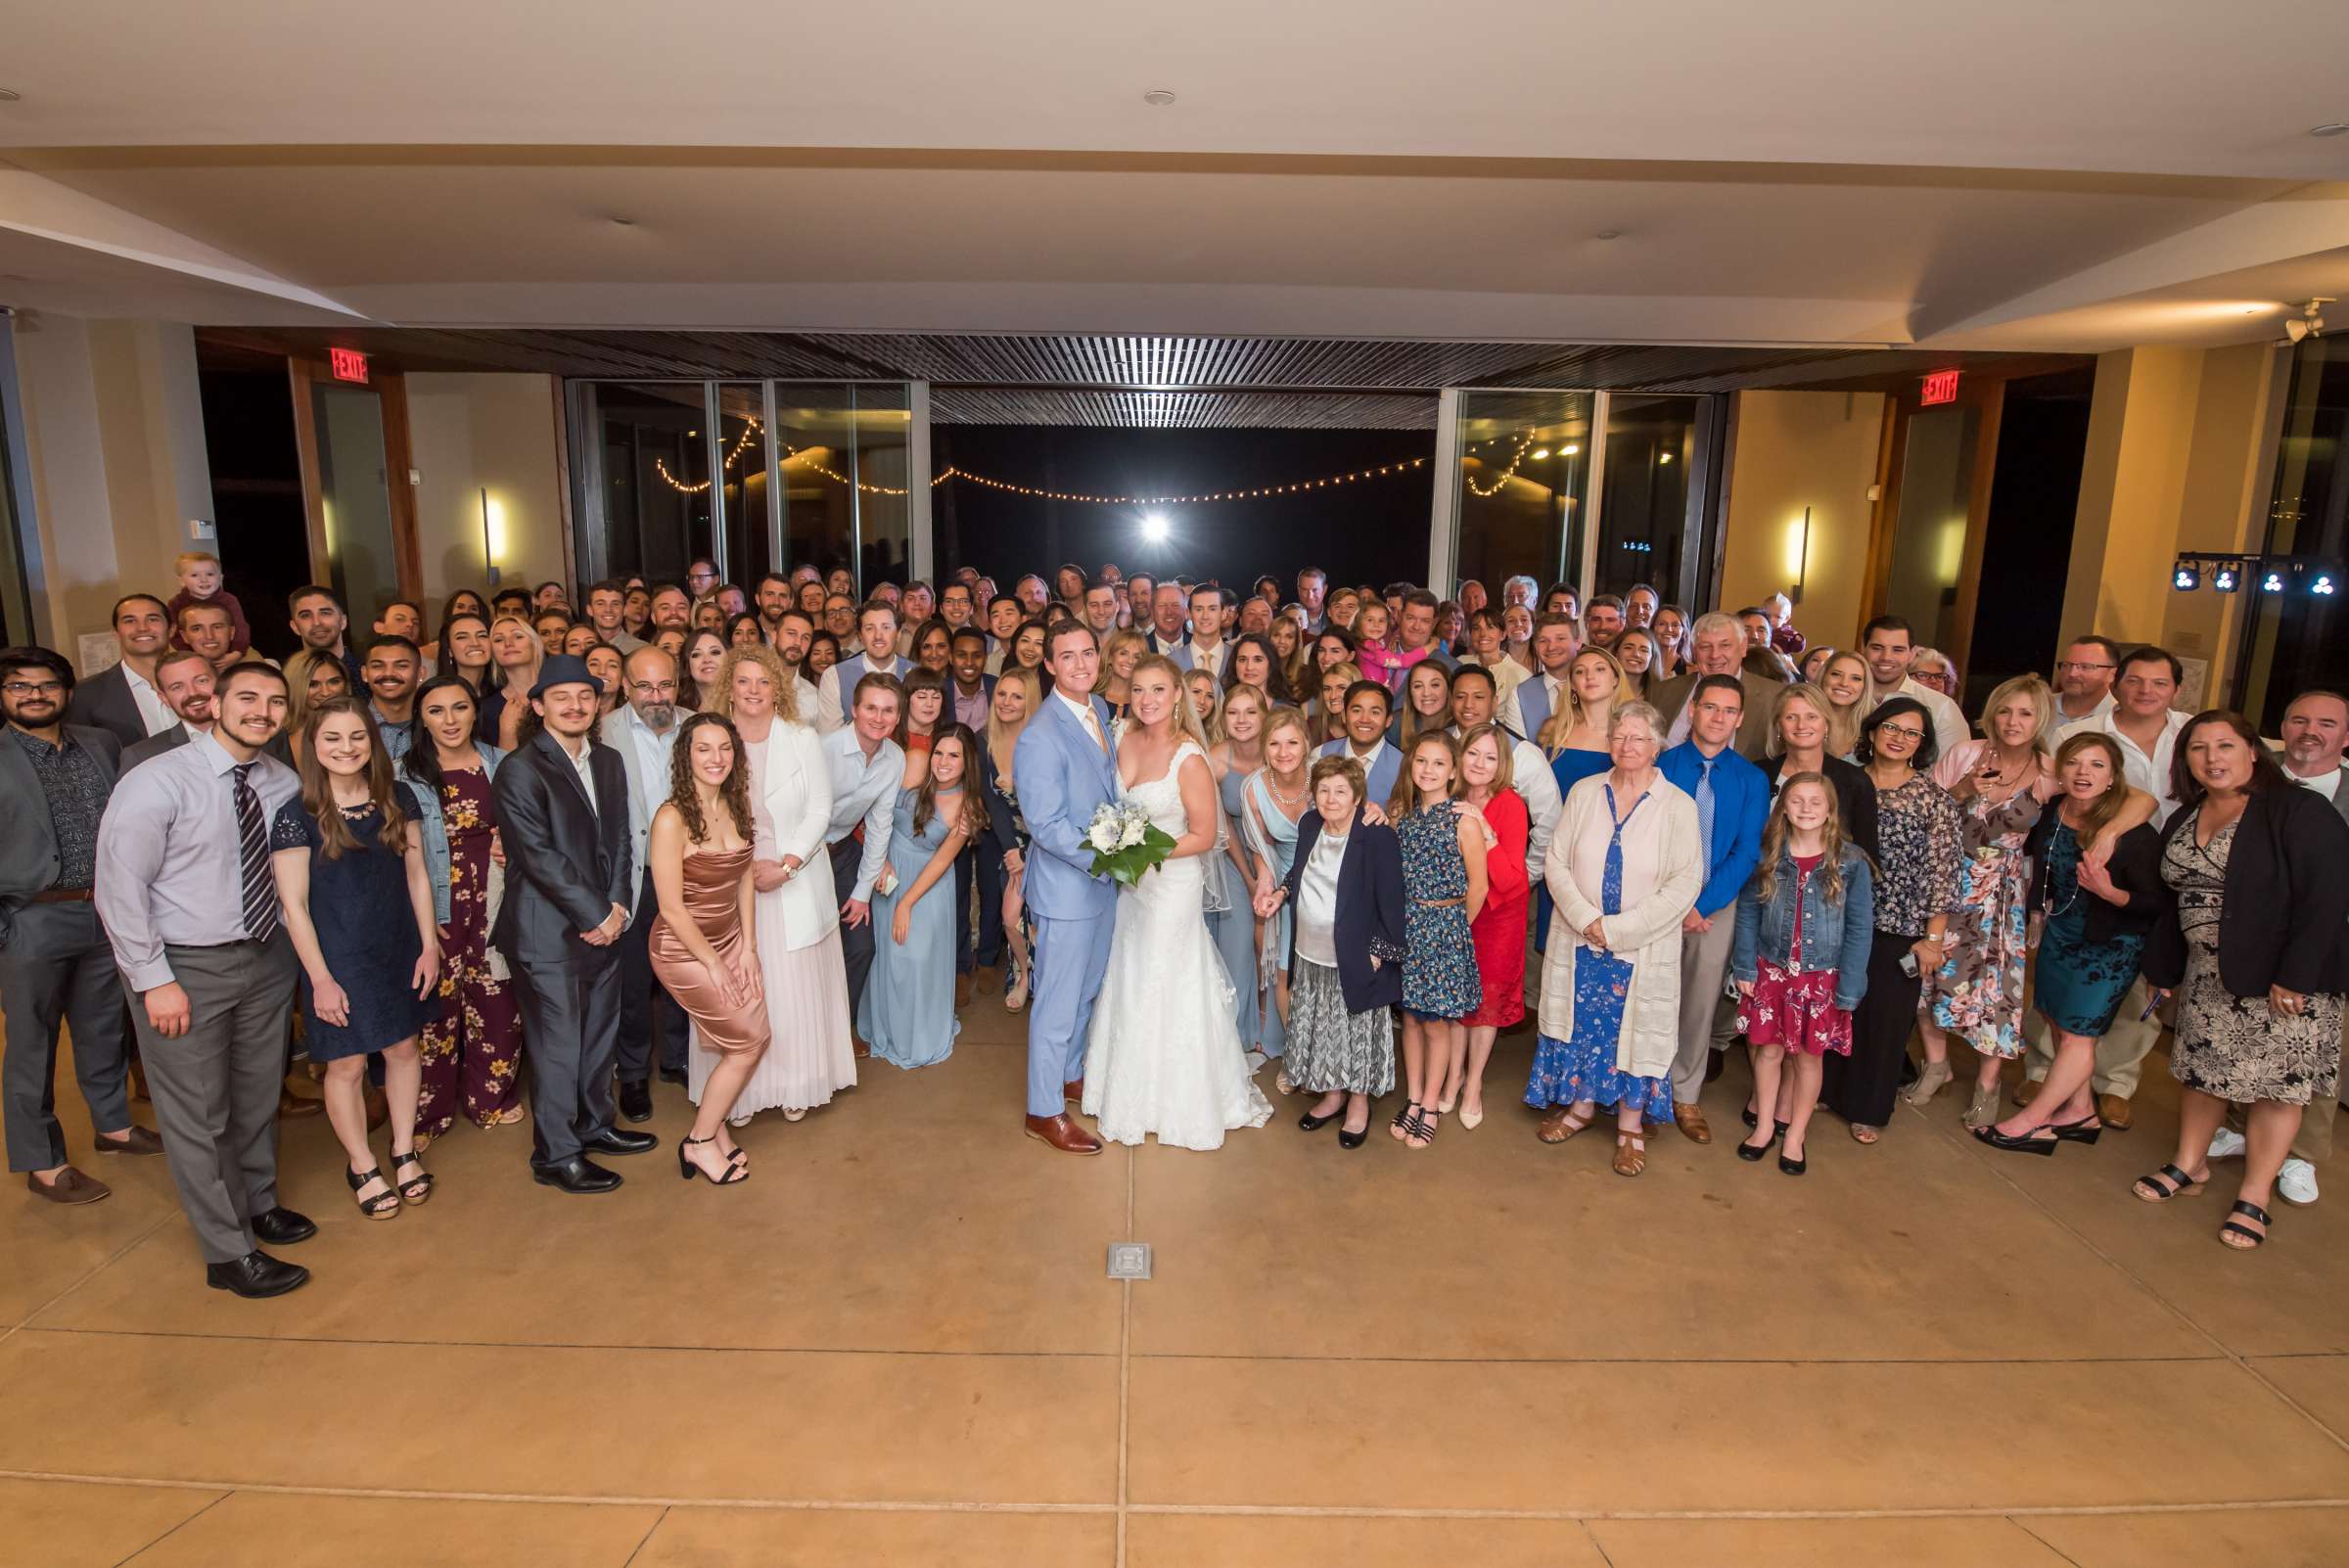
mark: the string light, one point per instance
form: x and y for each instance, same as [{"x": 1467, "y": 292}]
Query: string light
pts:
[
  {"x": 793, "y": 454},
  {"x": 1507, "y": 474}
]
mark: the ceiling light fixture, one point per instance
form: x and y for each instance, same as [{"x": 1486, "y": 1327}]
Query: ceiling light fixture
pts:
[
  {"x": 1157, "y": 97},
  {"x": 2309, "y": 324},
  {"x": 1541, "y": 452},
  {"x": 2333, "y": 127}
]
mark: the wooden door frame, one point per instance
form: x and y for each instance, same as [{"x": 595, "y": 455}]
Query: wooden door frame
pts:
[
  {"x": 400, "y": 492},
  {"x": 1987, "y": 397}
]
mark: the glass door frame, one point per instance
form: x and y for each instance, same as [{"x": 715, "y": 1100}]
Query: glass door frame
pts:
[
  {"x": 391, "y": 389},
  {"x": 1986, "y": 399}
]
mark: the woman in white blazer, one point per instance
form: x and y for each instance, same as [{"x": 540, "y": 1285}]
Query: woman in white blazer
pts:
[
  {"x": 1625, "y": 866},
  {"x": 795, "y": 912}
]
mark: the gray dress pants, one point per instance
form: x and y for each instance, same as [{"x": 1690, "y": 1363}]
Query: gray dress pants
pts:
[
  {"x": 216, "y": 1087},
  {"x": 56, "y": 967}
]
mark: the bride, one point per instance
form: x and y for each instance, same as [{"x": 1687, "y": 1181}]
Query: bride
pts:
[{"x": 1164, "y": 1055}]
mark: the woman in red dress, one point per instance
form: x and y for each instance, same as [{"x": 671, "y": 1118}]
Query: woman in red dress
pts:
[{"x": 1499, "y": 930}]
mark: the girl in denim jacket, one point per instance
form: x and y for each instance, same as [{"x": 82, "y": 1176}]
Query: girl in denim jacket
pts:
[{"x": 1800, "y": 960}]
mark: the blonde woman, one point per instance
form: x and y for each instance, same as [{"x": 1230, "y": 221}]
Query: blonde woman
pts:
[
  {"x": 1802, "y": 740},
  {"x": 797, "y": 913},
  {"x": 1117, "y": 656},
  {"x": 1234, "y": 760},
  {"x": 1207, "y": 705},
  {"x": 1004, "y": 842},
  {"x": 1852, "y": 695},
  {"x": 517, "y": 653},
  {"x": 1328, "y": 715},
  {"x": 1163, "y": 1057},
  {"x": 1274, "y": 801},
  {"x": 312, "y": 679}
]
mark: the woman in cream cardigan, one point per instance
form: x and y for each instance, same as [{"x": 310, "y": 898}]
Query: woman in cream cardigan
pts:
[
  {"x": 1625, "y": 866},
  {"x": 797, "y": 914}
]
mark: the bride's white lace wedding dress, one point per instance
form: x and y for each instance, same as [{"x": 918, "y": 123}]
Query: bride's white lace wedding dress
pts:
[{"x": 1164, "y": 1056}]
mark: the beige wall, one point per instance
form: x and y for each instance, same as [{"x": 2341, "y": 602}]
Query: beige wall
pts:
[
  {"x": 470, "y": 432},
  {"x": 115, "y": 429},
  {"x": 1797, "y": 450},
  {"x": 2173, "y": 463}
]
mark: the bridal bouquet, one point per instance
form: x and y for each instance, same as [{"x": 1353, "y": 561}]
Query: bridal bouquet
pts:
[{"x": 1126, "y": 846}]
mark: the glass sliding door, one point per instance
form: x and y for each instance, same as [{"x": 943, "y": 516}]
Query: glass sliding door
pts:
[
  {"x": 744, "y": 491},
  {"x": 1523, "y": 473},
  {"x": 362, "y": 558},
  {"x": 884, "y": 425},
  {"x": 2298, "y": 639},
  {"x": 1648, "y": 530},
  {"x": 653, "y": 496}
]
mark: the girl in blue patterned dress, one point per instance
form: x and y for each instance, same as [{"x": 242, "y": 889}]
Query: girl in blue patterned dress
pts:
[{"x": 1444, "y": 844}]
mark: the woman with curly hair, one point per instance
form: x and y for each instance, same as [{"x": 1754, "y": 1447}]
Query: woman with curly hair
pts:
[{"x": 703, "y": 947}]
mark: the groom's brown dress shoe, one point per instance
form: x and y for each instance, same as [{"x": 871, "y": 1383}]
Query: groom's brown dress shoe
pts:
[
  {"x": 1063, "y": 1135},
  {"x": 1073, "y": 1091}
]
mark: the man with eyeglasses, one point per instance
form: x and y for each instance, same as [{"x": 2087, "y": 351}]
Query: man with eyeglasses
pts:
[
  {"x": 2083, "y": 678},
  {"x": 644, "y": 731},
  {"x": 54, "y": 963}
]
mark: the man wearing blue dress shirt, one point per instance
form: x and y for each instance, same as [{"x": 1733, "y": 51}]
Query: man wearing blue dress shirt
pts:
[
  {"x": 1733, "y": 798},
  {"x": 867, "y": 768}
]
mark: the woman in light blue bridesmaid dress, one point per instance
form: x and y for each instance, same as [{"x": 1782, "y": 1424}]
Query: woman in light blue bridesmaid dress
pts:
[{"x": 907, "y": 1011}]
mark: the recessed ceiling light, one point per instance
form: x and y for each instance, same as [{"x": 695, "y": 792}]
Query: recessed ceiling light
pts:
[
  {"x": 1609, "y": 234},
  {"x": 2335, "y": 128},
  {"x": 1157, "y": 97}
]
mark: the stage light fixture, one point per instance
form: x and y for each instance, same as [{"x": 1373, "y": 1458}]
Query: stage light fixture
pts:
[
  {"x": 1155, "y": 527},
  {"x": 2272, "y": 583},
  {"x": 2324, "y": 584},
  {"x": 2225, "y": 579},
  {"x": 2185, "y": 579}
]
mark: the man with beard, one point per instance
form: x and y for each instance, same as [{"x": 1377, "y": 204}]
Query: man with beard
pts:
[
  {"x": 317, "y": 618},
  {"x": 794, "y": 631},
  {"x": 774, "y": 597},
  {"x": 2084, "y": 679},
  {"x": 186, "y": 890},
  {"x": 393, "y": 668},
  {"x": 562, "y": 813},
  {"x": 123, "y": 699},
  {"x": 55, "y": 964},
  {"x": 671, "y": 610},
  {"x": 186, "y": 681},
  {"x": 644, "y": 731}
]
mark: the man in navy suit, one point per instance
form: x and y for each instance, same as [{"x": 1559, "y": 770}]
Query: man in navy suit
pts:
[{"x": 1065, "y": 769}]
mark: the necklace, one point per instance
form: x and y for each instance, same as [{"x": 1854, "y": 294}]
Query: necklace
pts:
[{"x": 1280, "y": 798}]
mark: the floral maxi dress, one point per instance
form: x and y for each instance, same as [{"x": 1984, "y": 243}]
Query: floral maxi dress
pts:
[
  {"x": 473, "y": 1044},
  {"x": 1977, "y": 994}
]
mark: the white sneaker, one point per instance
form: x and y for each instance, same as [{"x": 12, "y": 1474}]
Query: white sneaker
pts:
[
  {"x": 2226, "y": 1144},
  {"x": 2296, "y": 1183}
]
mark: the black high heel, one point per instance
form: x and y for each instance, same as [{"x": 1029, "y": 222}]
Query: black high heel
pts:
[
  {"x": 2026, "y": 1144},
  {"x": 2077, "y": 1132},
  {"x": 688, "y": 1170}
]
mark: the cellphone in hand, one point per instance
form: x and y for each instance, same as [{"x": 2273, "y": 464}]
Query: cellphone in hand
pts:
[{"x": 1909, "y": 963}]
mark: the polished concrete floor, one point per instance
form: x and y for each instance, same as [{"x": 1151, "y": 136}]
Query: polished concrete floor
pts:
[{"x": 896, "y": 1345}]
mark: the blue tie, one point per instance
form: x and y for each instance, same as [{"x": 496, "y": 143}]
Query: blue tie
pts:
[{"x": 1704, "y": 811}]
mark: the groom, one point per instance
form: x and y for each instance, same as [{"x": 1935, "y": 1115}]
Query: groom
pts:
[{"x": 1064, "y": 769}]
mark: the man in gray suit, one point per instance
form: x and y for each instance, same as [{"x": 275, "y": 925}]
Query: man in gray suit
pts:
[
  {"x": 55, "y": 964},
  {"x": 644, "y": 731},
  {"x": 185, "y": 680},
  {"x": 121, "y": 698},
  {"x": 1718, "y": 648}
]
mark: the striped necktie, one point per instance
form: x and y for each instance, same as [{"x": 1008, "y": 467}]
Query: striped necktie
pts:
[{"x": 260, "y": 891}]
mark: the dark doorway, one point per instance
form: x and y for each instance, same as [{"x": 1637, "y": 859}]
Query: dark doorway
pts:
[
  {"x": 2027, "y": 544},
  {"x": 264, "y": 544}
]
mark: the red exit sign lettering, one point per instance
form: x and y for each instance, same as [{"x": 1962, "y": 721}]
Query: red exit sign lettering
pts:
[
  {"x": 350, "y": 365},
  {"x": 1941, "y": 386}
]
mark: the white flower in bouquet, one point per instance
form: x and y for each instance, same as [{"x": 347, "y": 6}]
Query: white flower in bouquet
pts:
[
  {"x": 1106, "y": 831},
  {"x": 1136, "y": 824}
]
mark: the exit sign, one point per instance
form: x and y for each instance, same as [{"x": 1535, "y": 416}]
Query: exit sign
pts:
[
  {"x": 1941, "y": 386},
  {"x": 350, "y": 365}
]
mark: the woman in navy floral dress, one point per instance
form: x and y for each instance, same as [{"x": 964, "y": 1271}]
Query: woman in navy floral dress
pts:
[{"x": 1444, "y": 843}]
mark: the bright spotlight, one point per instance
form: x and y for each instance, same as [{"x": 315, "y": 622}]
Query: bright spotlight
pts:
[
  {"x": 2226, "y": 579},
  {"x": 2324, "y": 584},
  {"x": 2272, "y": 583},
  {"x": 2186, "y": 578},
  {"x": 1155, "y": 527},
  {"x": 1541, "y": 452}
]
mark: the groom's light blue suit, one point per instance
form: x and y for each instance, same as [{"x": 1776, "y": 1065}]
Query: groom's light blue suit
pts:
[{"x": 1063, "y": 776}]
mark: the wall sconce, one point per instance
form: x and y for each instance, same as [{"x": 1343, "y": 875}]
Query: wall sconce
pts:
[
  {"x": 489, "y": 540},
  {"x": 1802, "y": 558}
]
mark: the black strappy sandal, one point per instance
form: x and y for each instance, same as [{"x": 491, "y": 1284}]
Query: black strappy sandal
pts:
[
  {"x": 2166, "y": 1183},
  {"x": 2085, "y": 1130},
  {"x": 417, "y": 1188},
  {"x": 384, "y": 1205},
  {"x": 1401, "y": 1127},
  {"x": 2252, "y": 1239},
  {"x": 688, "y": 1170},
  {"x": 1422, "y": 1128}
]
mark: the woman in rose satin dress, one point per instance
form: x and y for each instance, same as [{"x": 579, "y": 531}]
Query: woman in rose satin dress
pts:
[{"x": 701, "y": 942}]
